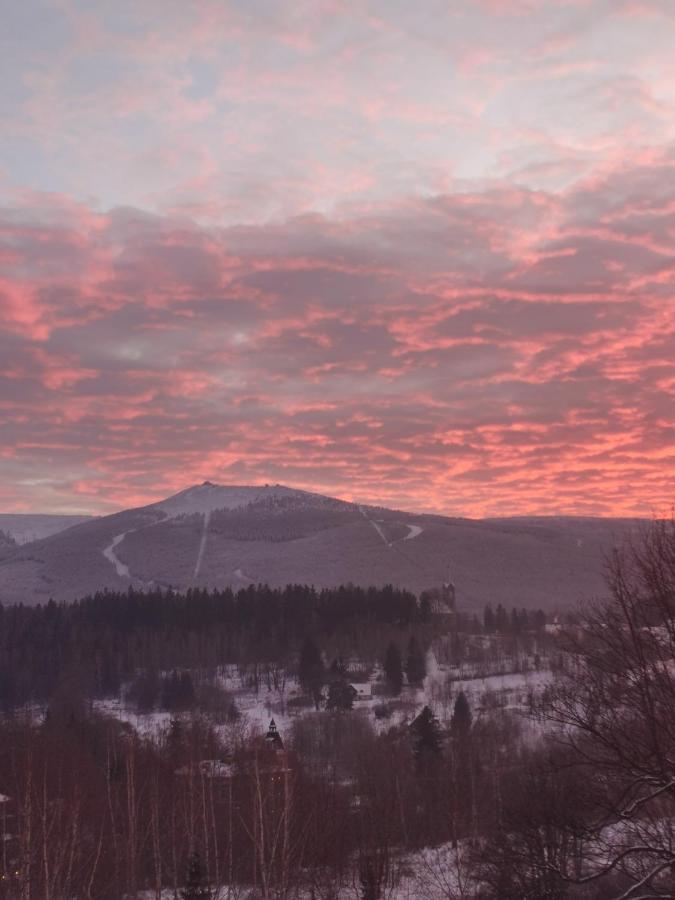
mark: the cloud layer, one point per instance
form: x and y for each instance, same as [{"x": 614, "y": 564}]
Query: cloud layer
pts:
[
  {"x": 501, "y": 351},
  {"x": 366, "y": 252}
]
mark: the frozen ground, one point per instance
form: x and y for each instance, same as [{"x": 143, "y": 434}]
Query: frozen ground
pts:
[{"x": 434, "y": 873}]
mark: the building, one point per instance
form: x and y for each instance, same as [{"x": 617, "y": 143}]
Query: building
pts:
[
  {"x": 364, "y": 690},
  {"x": 442, "y": 602},
  {"x": 273, "y": 737}
]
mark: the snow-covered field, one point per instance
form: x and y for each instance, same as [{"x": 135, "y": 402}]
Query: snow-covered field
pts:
[
  {"x": 434, "y": 873},
  {"x": 512, "y": 692}
]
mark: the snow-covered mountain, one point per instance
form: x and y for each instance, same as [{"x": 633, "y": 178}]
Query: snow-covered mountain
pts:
[
  {"x": 208, "y": 497},
  {"x": 24, "y": 527},
  {"x": 219, "y": 535}
]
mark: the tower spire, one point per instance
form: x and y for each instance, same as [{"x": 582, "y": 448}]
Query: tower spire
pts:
[{"x": 448, "y": 592}]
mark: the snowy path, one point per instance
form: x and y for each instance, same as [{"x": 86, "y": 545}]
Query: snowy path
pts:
[
  {"x": 121, "y": 568},
  {"x": 109, "y": 553},
  {"x": 381, "y": 533},
  {"x": 242, "y": 576},
  {"x": 375, "y": 526},
  {"x": 413, "y": 530},
  {"x": 202, "y": 543}
]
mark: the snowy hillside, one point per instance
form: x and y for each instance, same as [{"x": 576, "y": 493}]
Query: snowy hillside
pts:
[{"x": 221, "y": 536}]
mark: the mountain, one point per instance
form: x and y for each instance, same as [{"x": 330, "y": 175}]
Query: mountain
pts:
[
  {"x": 24, "y": 528},
  {"x": 215, "y": 536}
]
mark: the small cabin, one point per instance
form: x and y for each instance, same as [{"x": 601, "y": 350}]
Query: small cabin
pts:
[{"x": 364, "y": 690}]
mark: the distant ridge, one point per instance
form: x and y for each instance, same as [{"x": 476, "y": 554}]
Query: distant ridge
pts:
[{"x": 25, "y": 527}]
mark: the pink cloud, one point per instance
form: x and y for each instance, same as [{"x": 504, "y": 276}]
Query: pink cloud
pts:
[{"x": 485, "y": 352}]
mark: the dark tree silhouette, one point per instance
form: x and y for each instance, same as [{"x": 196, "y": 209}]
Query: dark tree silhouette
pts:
[
  {"x": 617, "y": 712},
  {"x": 393, "y": 669},
  {"x": 415, "y": 667},
  {"x": 426, "y": 731},
  {"x": 461, "y": 716},
  {"x": 341, "y": 695},
  {"x": 311, "y": 671},
  {"x": 196, "y": 884}
]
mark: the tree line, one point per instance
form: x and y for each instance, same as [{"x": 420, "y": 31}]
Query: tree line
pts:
[{"x": 102, "y": 640}]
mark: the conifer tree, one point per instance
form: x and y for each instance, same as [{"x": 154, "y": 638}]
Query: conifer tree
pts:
[
  {"x": 425, "y": 607},
  {"x": 341, "y": 695},
  {"x": 393, "y": 669},
  {"x": 501, "y": 619},
  {"x": 426, "y": 731},
  {"x": 416, "y": 666},
  {"x": 372, "y": 870},
  {"x": 461, "y": 716},
  {"x": 196, "y": 886},
  {"x": 338, "y": 668},
  {"x": 311, "y": 670}
]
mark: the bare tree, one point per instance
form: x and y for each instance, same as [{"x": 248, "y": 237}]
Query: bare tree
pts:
[{"x": 616, "y": 713}]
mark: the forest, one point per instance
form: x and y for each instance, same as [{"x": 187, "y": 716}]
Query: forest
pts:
[
  {"x": 432, "y": 790},
  {"x": 103, "y": 640}
]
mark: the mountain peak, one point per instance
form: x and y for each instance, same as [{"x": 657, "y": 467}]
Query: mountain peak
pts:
[{"x": 206, "y": 497}]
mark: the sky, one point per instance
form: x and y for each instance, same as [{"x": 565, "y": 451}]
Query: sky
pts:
[{"x": 416, "y": 254}]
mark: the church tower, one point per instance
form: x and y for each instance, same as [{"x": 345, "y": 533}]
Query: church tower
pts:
[
  {"x": 448, "y": 592},
  {"x": 273, "y": 737}
]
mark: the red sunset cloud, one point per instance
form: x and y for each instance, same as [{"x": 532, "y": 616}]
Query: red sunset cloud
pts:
[
  {"x": 506, "y": 351},
  {"x": 415, "y": 256}
]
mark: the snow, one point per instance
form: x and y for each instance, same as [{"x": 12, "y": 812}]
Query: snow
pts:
[
  {"x": 204, "y": 499},
  {"x": 120, "y": 568},
  {"x": 207, "y": 497},
  {"x": 258, "y": 709},
  {"x": 149, "y": 724},
  {"x": 433, "y": 873},
  {"x": 413, "y": 530},
  {"x": 375, "y": 526},
  {"x": 441, "y": 686},
  {"x": 435, "y": 674},
  {"x": 242, "y": 576},
  {"x": 364, "y": 689},
  {"x": 202, "y": 543},
  {"x": 109, "y": 553},
  {"x": 510, "y": 682}
]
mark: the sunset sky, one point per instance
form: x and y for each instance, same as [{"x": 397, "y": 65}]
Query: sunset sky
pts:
[{"x": 420, "y": 254}]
